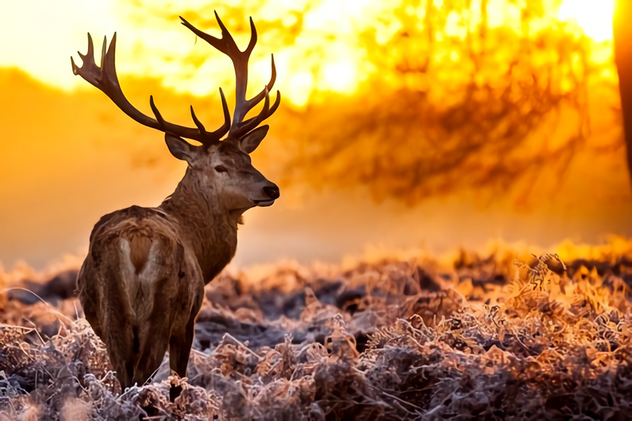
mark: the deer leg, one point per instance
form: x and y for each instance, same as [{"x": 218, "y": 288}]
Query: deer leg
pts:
[
  {"x": 121, "y": 356},
  {"x": 179, "y": 350},
  {"x": 115, "y": 331},
  {"x": 180, "y": 347},
  {"x": 91, "y": 315},
  {"x": 153, "y": 346}
]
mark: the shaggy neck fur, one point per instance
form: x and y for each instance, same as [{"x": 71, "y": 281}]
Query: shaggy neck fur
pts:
[{"x": 210, "y": 230}]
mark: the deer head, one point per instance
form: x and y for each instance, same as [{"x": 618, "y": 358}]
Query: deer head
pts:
[{"x": 218, "y": 168}]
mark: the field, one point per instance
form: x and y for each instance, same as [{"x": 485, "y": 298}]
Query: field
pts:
[{"x": 497, "y": 335}]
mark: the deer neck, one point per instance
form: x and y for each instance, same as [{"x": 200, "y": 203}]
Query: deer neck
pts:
[{"x": 209, "y": 228}]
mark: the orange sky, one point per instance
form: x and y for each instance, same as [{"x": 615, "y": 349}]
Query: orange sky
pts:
[{"x": 68, "y": 156}]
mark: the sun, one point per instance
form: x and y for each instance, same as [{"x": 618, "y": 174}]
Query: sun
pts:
[{"x": 593, "y": 16}]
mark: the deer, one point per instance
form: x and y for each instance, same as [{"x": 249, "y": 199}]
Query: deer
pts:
[{"x": 142, "y": 282}]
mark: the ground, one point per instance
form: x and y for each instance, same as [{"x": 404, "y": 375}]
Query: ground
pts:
[{"x": 408, "y": 336}]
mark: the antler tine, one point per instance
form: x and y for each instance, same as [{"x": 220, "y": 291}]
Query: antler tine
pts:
[
  {"x": 257, "y": 98},
  {"x": 105, "y": 79},
  {"x": 226, "y": 126},
  {"x": 226, "y": 44},
  {"x": 161, "y": 121},
  {"x": 266, "y": 112},
  {"x": 272, "y": 109},
  {"x": 197, "y": 122},
  {"x": 237, "y": 131}
]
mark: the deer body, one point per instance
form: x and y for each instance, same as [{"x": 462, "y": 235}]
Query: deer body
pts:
[
  {"x": 140, "y": 286},
  {"x": 142, "y": 283}
]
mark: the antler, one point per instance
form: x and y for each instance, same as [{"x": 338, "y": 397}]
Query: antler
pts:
[
  {"x": 105, "y": 79},
  {"x": 226, "y": 44}
]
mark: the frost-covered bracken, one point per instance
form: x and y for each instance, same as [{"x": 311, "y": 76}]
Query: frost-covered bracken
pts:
[{"x": 503, "y": 337}]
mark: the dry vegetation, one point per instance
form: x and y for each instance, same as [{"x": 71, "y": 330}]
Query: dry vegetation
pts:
[{"x": 503, "y": 337}]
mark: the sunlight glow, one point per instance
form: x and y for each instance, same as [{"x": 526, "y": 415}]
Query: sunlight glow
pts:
[
  {"x": 340, "y": 76},
  {"x": 301, "y": 85},
  {"x": 593, "y": 16}
]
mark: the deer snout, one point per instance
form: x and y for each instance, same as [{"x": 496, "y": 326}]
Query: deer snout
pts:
[{"x": 271, "y": 191}]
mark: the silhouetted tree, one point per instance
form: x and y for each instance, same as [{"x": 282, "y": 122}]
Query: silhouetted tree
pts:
[{"x": 623, "y": 58}]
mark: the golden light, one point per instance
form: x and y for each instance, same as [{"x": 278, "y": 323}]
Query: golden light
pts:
[
  {"x": 301, "y": 84},
  {"x": 340, "y": 76},
  {"x": 593, "y": 16}
]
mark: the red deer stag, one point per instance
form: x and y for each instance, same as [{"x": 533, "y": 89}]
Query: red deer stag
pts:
[{"x": 142, "y": 283}]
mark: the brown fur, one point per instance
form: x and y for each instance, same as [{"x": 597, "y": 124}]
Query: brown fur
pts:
[{"x": 139, "y": 242}]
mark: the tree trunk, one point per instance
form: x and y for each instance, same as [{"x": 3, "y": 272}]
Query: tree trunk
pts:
[{"x": 623, "y": 59}]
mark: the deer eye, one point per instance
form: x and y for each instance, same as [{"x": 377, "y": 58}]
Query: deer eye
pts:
[{"x": 221, "y": 168}]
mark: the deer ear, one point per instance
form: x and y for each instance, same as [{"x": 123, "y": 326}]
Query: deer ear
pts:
[
  {"x": 250, "y": 142},
  {"x": 180, "y": 148}
]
